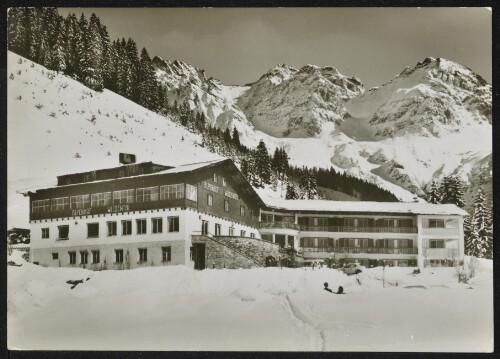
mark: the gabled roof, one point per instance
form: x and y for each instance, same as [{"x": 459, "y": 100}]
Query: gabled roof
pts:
[{"x": 307, "y": 205}]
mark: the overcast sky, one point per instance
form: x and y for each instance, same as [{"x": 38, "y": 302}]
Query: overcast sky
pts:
[{"x": 237, "y": 46}]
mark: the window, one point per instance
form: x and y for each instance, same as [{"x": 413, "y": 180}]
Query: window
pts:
[
  {"x": 118, "y": 255},
  {"x": 436, "y": 223},
  {"x": 81, "y": 201},
  {"x": 204, "y": 228},
  {"x": 210, "y": 200},
  {"x": 72, "y": 257},
  {"x": 215, "y": 177},
  {"x": 252, "y": 235},
  {"x": 243, "y": 233},
  {"x": 191, "y": 192},
  {"x": 226, "y": 205},
  {"x": 224, "y": 182},
  {"x": 96, "y": 256},
  {"x": 141, "y": 226},
  {"x": 173, "y": 224},
  {"x": 217, "y": 229},
  {"x": 147, "y": 194},
  {"x": 126, "y": 228},
  {"x": 100, "y": 199},
  {"x": 307, "y": 242},
  {"x": 123, "y": 197},
  {"x": 436, "y": 243},
  {"x": 84, "y": 257},
  {"x": 166, "y": 254},
  {"x": 172, "y": 191},
  {"x": 63, "y": 232},
  {"x": 157, "y": 224},
  {"x": 242, "y": 211},
  {"x": 41, "y": 206},
  {"x": 60, "y": 204},
  {"x": 92, "y": 230},
  {"x": 231, "y": 231},
  {"x": 45, "y": 233},
  {"x": 143, "y": 254},
  {"x": 55, "y": 255},
  {"x": 111, "y": 229},
  {"x": 325, "y": 242}
]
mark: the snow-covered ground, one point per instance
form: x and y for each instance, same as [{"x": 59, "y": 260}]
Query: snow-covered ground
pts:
[{"x": 176, "y": 308}]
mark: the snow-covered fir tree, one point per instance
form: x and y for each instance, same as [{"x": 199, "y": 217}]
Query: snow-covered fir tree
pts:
[
  {"x": 291, "y": 191},
  {"x": 262, "y": 164},
  {"x": 435, "y": 194},
  {"x": 481, "y": 231},
  {"x": 452, "y": 191}
]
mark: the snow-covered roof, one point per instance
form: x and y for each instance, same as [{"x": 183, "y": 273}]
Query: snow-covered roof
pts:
[
  {"x": 359, "y": 206},
  {"x": 189, "y": 167}
]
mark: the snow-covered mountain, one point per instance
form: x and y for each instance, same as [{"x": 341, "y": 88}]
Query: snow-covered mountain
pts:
[
  {"x": 434, "y": 98},
  {"x": 185, "y": 83},
  {"x": 286, "y": 102}
]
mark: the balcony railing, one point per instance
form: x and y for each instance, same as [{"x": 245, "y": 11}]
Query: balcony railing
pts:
[
  {"x": 362, "y": 250},
  {"x": 288, "y": 225},
  {"x": 358, "y": 229},
  {"x": 441, "y": 252},
  {"x": 440, "y": 231}
]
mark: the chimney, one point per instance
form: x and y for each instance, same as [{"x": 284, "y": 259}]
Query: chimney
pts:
[{"x": 127, "y": 158}]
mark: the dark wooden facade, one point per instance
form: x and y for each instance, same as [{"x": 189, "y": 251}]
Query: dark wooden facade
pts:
[{"x": 239, "y": 194}]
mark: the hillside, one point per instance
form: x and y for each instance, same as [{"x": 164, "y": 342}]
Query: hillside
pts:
[{"x": 57, "y": 126}]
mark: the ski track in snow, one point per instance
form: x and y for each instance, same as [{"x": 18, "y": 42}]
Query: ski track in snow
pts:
[{"x": 300, "y": 318}]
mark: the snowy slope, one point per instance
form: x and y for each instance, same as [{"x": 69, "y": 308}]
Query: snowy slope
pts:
[
  {"x": 56, "y": 125},
  {"x": 262, "y": 309},
  {"x": 185, "y": 83},
  {"x": 435, "y": 97},
  {"x": 286, "y": 102}
]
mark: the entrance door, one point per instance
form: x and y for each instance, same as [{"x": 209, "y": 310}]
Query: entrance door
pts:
[
  {"x": 204, "y": 228},
  {"x": 199, "y": 255}
]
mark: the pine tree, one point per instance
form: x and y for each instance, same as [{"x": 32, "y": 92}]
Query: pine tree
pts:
[
  {"x": 133, "y": 71},
  {"x": 469, "y": 230},
  {"x": 92, "y": 71},
  {"x": 452, "y": 191},
  {"x": 58, "y": 52},
  {"x": 70, "y": 33},
  {"x": 308, "y": 183},
  {"x": 263, "y": 164},
  {"x": 81, "y": 48},
  {"x": 147, "y": 83},
  {"x": 236, "y": 138},
  {"x": 435, "y": 194},
  {"x": 482, "y": 234},
  {"x": 18, "y": 30},
  {"x": 291, "y": 192}
]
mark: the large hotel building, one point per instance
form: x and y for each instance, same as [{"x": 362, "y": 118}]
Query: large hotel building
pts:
[{"x": 207, "y": 215}]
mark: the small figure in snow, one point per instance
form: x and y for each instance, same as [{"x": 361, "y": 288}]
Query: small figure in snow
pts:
[
  {"x": 326, "y": 287},
  {"x": 416, "y": 271},
  {"x": 340, "y": 290}
]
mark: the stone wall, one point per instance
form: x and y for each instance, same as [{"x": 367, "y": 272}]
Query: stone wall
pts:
[{"x": 236, "y": 252}]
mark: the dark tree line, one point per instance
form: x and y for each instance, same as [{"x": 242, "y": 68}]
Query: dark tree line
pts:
[{"x": 82, "y": 49}]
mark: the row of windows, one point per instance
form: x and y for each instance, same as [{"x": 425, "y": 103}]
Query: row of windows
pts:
[
  {"x": 166, "y": 255},
  {"x": 139, "y": 195},
  {"x": 126, "y": 228},
  {"x": 210, "y": 203},
  {"x": 218, "y": 230},
  {"x": 356, "y": 242}
]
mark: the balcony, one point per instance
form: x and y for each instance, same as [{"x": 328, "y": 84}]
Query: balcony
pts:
[
  {"x": 440, "y": 231},
  {"x": 440, "y": 252},
  {"x": 288, "y": 225},
  {"x": 352, "y": 229},
  {"x": 373, "y": 250}
]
